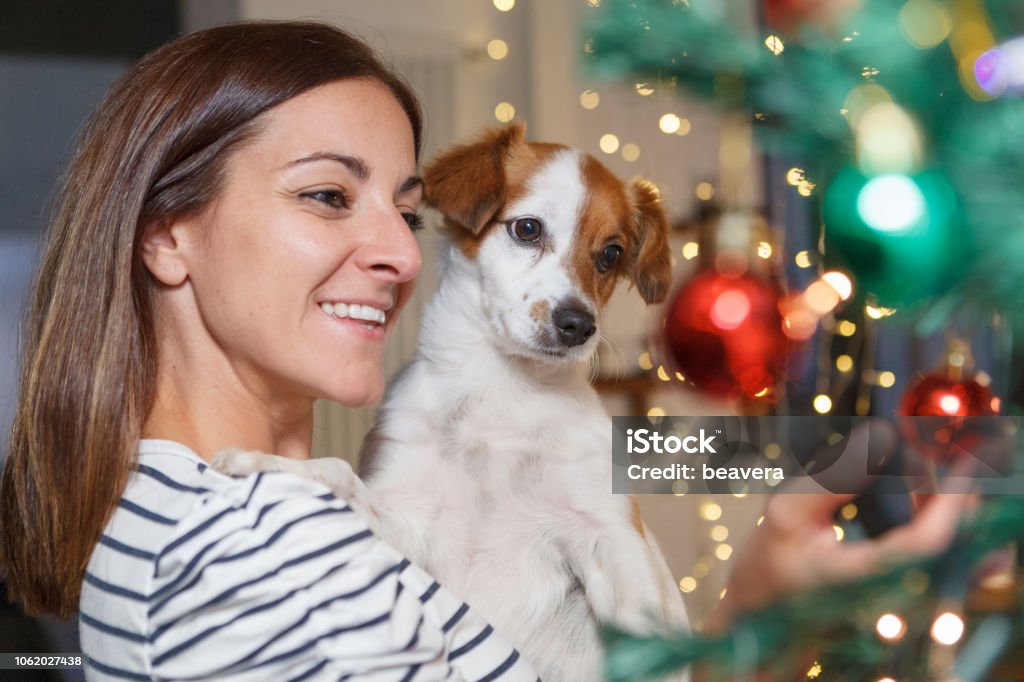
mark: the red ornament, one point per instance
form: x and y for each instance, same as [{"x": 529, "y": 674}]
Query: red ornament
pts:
[
  {"x": 790, "y": 15},
  {"x": 724, "y": 333},
  {"x": 943, "y": 405}
]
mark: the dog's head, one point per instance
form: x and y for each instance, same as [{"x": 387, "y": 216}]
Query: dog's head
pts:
[{"x": 551, "y": 231}]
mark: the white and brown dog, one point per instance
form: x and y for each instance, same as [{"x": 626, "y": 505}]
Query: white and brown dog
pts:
[{"x": 490, "y": 463}]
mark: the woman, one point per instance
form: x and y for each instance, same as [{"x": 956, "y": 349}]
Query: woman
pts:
[
  {"x": 231, "y": 182},
  {"x": 229, "y": 185}
]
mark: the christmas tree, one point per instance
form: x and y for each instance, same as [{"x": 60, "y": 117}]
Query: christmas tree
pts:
[{"x": 909, "y": 123}]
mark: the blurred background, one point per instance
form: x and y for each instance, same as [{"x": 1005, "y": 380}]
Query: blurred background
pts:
[{"x": 481, "y": 63}]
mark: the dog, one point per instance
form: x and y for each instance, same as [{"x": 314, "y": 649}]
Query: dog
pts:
[{"x": 490, "y": 461}]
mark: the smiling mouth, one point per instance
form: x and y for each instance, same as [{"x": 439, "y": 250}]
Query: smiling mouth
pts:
[{"x": 369, "y": 316}]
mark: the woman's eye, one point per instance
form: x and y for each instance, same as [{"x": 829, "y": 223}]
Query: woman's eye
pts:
[
  {"x": 526, "y": 229},
  {"x": 331, "y": 197},
  {"x": 415, "y": 221},
  {"x": 608, "y": 257}
]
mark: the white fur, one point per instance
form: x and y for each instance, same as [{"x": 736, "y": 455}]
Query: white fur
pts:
[{"x": 493, "y": 467}]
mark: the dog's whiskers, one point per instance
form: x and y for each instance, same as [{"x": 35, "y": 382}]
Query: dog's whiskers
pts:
[{"x": 619, "y": 363}]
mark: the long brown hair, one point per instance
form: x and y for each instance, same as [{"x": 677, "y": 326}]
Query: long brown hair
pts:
[{"x": 154, "y": 150}]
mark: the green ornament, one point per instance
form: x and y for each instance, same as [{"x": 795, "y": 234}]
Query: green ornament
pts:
[{"x": 897, "y": 233}]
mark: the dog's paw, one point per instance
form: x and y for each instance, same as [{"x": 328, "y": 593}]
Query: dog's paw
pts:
[{"x": 238, "y": 462}]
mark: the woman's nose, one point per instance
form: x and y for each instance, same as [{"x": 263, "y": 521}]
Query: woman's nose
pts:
[{"x": 393, "y": 253}]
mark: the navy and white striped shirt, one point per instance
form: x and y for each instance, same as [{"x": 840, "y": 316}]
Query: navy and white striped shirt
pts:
[{"x": 268, "y": 577}]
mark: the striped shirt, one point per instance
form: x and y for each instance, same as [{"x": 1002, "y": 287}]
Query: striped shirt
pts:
[{"x": 268, "y": 577}]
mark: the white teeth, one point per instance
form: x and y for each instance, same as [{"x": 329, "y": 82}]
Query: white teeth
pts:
[{"x": 355, "y": 311}]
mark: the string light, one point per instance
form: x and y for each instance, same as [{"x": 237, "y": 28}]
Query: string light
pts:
[
  {"x": 840, "y": 533},
  {"x": 794, "y": 176},
  {"x": 802, "y": 259},
  {"x": 644, "y": 361},
  {"x": 688, "y": 584},
  {"x": 655, "y": 413},
  {"x": 822, "y": 404},
  {"x": 764, "y": 250},
  {"x": 504, "y": 112},
  {"x": 840, "y": 282},
  {"x": 609, "y": 143},
  {"x": 504, "y": 5},
  {"x": 705, "y": 191},
  {"x": 847, "y": 328},
  {"x": 662, "y": 374},
  {"x": 774, "y": 44},
  {"x": 886, "y": 379},
  {"x": 848, "y": 512},
  {"x": 821, "y": 297},
  {"x": 709, "y": 511},
  {"x": 878, "y": 312},
  {"x": 691, "y": 250},
  {"x": 844, "y": 363},
  {"x": 630, "y": 152},
  {"x": 772, "y": 451},
  {"x": 684, "y": 127},
  {"x": 643, "y": 89},
  {"x": 890, "y": 627},
  {"x": 814, "y": 670},
  {"x": 669, "y": 123},
  {"x": 497, "y": 49},
  {"x": 723, "y": 552},
  {"x": 589, "y": 99},
  {"x": 719, "y": 533},
  {"x": 948, "y": 628}
]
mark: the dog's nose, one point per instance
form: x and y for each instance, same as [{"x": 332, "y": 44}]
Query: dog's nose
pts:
[{"x": 574, "y": 325}]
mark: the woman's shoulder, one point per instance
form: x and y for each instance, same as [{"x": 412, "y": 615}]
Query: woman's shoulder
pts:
[{"x": 182, "y": 536}]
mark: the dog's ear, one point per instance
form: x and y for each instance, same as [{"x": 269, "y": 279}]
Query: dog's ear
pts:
[
  {"x": 467, "y": 183},
  {"x": 652, "y": 262}
]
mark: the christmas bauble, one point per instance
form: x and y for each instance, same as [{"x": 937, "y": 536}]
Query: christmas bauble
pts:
[
  {"x": 790, "y": 15},
  {"x": 936, "y": 410},
  {"x": 895, "y": 233},
  {"x": 724, "y": 333}
]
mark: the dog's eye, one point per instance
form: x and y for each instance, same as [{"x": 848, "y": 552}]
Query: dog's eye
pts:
[
  {"x": 526, "y": 229},
  {"x": 608, "y": 257}
]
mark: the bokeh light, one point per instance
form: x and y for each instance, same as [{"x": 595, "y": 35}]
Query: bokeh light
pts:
[
  {"x": 497, "y": 49},
  {"x": 948, "y": 628},
  {"x": 504, "y": 112},
  {"x": 609, "y": 143},
  {"x": 892, "y": 204}
]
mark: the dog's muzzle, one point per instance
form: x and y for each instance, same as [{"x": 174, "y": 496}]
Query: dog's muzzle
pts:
[{"x": 574, "y": 325}]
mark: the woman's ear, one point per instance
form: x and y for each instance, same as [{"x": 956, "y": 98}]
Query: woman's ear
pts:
[
  {"x": 467, "y": 183},
  {"x": 162, "y": 252},
  {"x": 652, "y": 265}
]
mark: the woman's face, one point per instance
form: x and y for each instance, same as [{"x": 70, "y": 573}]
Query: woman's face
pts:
[{"x": 314, "y": 214}]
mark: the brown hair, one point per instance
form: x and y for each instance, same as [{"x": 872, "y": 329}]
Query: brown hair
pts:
[{"x": 155, "y": 149}]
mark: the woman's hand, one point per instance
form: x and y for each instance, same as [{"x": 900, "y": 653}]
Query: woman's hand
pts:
[{"x": 795, "y": 548}]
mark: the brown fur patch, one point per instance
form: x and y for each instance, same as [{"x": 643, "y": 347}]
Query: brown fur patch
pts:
[
  {"x": 635, "y": 517},
  {"x": 471, "y": 184},
  {"x": 606, "y": 218},
  {"x": 652, "y": 261},
  {"x": 539, "y": 311}
]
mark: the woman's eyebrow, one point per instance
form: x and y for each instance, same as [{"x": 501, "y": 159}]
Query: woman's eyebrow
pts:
[
  {"x": 411, "y": 183},
  {"x": 355, "y": 165}
]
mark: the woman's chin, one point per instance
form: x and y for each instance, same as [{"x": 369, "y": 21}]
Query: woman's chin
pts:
[{"x": 359, "y": 394}]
